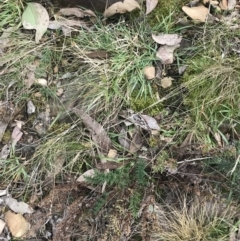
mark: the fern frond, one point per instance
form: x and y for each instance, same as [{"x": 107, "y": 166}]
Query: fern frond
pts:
[
  {"x": 139, "y": 173},
  {"x": 134, "y": 205}
]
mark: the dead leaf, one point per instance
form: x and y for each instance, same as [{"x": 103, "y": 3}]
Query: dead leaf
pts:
[
  {"x": 231, "y": 4},
  {"x": 100, "y": 54},
  {"x": 88, "y": 173},
  {"x": 171, "y": 166},
  {"x": 30, "y": 107},
  {"x": 159, "y": 69},
  {"x": 43, "y": 121},
  {"x": 66, "y": 24},
  {"x": 18, "y": 207},
  {"x": 4, "y": 39},
  {"x": 3, "y": 127},
  {"x": 166, "y": 82},
  {"x": 149, "y": 72},
  {"x": 218, "y": 138},
  {"x": 165, "y": 53},
  {"x": 99, "y": 135},
  {"x": 3, "y": 192},
  {"x": 223, "y": 5},
  {"x": 144, "y": 121},
  {"x": 214, "y": 3},
  {"x": 112, "y": 153},
  {"x": 56, "y": 168},
  {"x": 38, "y": 95},
  {"x": 54, "y": 25},
  {"x": 151, "y": 122},
  {"x": 59, "y": 91},
  {"x": 123, "y": 139},
  {"x": 198, "y": 13},
  {"x": 71, "y": 23},
  {"x": 17, "y": 224},
  {"x": 150, "y": 5},
  {"x": 30, "y": 74},
  {"x": 166, "y": 138},
  {"x": 36, "y": 17},
  {"x": 182, "y": 69},
  {"x": 121, "y": 7},
  {"x": 231, "y": 20},
  {"x": 19, "y": 124},
  {"x": 76, "y": 12},
  {"x": 136, "y": 141},
  {"x": 167, "y": 39},
  {"x": 187, "y": 141},
  {"x": 16, "y": 135},
  {"x": 2, "y": 226},
  {"x": 5, "y": 152},
  {"x": 108, "y": 165},
  {"x": 42, "y": 82}
]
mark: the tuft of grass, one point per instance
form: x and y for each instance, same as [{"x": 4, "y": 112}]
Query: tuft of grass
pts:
[
  {"x": 203, "y": 221},
  {"x": 121, "y": 76},
  {"x": 10, "y": 14},
  {"x": 213, "y": 97},
  {"x": 211, "y": 85}
]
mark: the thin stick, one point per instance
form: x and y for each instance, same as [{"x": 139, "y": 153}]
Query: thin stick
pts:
[{"x": 195, "y": 159}]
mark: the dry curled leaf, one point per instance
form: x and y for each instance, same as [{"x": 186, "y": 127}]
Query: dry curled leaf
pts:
[
  {"x": 3, "y": 127},
  {"x": 76, "y": 12},
  {"x": 16, "y": 135},
  {"x": 165, "y": 53},
  {"x": 2, "y": 225},
  {"x": 5, "y": 152},
  {"x": 123, "y": 139},
  {"x": 88, "y": 173},
  {"x": 149, "y": 72},
  {"x": 4, "y": 39},
  {"x": 121, "y": 7},
  {"x": 151, "y": 122},
  {"x": 198, "y": 13},
  {"x": 144, "y": 121},
  {"x": 16, "y": 223},
  {"x": 18, "y": 207},
  {"x": 231, "y": 4},
  {"x": 224, "y": 4},
  {"x": 136, "y": 142},
  {"x": 112, "y": 153},
  {"x": 30, "y": 107},
  {"x": 99, "y": 135},
  {"x": 42, "y": 82},
  {"x": 166, "y": 82},
  {"x": 66, "y": 24},
  {"x": 167, "y": 39},
  {"x": 3, "y": 192},
  {"x": 150, "y": 5}
]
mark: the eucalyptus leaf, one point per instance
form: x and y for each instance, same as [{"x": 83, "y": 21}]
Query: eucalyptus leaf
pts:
[{"x": 36, "y": 17}]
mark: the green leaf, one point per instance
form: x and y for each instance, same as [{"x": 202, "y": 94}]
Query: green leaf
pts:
[{"x": 36, "y": 17}]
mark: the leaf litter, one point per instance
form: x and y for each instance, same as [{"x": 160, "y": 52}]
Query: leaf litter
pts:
[
  {"x": 36, "y": 17},
  {"x": 121, "y": 7},
  {"x": 151, "y": 5},
  {"x": 131, "y": 130}
]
